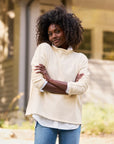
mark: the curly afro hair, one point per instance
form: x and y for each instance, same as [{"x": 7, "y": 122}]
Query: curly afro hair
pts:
[{"x": 70, "y": 24}]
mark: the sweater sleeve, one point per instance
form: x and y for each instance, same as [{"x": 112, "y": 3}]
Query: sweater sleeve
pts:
[
  {"x": 79, "y": 87},
  {"x": 40, "y": 57}
]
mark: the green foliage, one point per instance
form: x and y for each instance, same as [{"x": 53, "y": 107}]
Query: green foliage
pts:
[
  {"x": 24, "y": 125},
  {"x": 1, "y": 123},
  {"x": 98, "y": 119}
]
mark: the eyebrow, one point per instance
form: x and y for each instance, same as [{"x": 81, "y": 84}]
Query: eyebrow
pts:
[{"x": 55, "y": 29}]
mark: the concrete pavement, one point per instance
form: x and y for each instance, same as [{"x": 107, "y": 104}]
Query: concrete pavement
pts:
[{"x": 8, "y": 136}]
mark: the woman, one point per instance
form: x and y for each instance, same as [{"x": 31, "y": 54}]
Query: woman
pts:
[{"x": 59, "y": 78}]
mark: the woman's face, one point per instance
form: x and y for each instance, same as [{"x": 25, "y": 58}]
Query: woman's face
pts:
[{"x": 56, "y": 36}]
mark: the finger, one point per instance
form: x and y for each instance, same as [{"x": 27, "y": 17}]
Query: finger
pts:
[
  {"x": 41, "y": 65},
  {"x": 77, "y": 74},
  {"x": 80, "y": 75},
  {"x": 42, "y": 69},
  {"x": 37, "y": 69},
  {"x": 76, "y": 77},
  {"x": 40, "y": 72}
]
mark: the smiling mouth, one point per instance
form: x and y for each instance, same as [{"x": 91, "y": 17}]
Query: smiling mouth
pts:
[{"x": 55, "y": 41}]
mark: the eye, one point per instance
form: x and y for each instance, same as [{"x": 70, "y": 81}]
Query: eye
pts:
[
  {"x": 49, "y": 34},
  {"x": 57, "y": 31}
]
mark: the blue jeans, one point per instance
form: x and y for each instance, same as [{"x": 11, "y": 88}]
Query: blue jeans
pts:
[{"x": 45, "y": 135}]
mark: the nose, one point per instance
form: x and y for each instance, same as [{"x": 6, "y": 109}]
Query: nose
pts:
[{"x": 53, "y": 35}]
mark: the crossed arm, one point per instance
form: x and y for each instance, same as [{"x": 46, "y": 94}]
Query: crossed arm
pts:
[{"x": 54, "y": 86}]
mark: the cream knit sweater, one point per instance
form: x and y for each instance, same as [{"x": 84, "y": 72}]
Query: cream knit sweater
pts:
[{"x": 61, "y": 65}]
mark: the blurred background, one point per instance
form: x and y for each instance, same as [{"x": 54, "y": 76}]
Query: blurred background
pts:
[{"x": 18, "y": 43}]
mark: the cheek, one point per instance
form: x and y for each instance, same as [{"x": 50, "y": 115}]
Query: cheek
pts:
[
  {"x": 49, "y": 39},
  {"x": 63, "y": 38}
]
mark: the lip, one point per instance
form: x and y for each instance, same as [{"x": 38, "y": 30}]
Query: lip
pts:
[{"x": 55, "y": 41}]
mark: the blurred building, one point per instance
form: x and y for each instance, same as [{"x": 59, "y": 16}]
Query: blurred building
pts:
[{"x": 17, "y": 41}]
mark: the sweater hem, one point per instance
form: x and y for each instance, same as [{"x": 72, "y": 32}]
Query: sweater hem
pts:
[{"x": 55, "y": 119}]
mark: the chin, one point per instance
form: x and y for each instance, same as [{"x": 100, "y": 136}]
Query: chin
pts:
[{"x": 56, "y": 45}]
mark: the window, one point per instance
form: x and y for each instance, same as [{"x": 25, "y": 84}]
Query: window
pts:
[
  {"x": 85, "y": 46},
  {"x": 108, "y": 46}
]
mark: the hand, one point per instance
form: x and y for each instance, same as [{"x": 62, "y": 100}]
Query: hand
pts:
[
  {"x": 78, "y": 77},
  {"x": 41, "y": 69}
]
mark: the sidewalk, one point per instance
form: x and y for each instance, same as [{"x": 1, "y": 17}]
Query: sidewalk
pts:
[{"x": 8, "y": 136}]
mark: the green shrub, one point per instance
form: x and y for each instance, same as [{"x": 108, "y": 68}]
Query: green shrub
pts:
[{"x": 98, "y": 119}]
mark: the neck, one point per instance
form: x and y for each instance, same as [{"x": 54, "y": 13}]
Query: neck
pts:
[{"x": 64, "y": 46}]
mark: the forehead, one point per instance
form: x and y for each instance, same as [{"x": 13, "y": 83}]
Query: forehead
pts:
[{"x": 53, "y": 27}]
